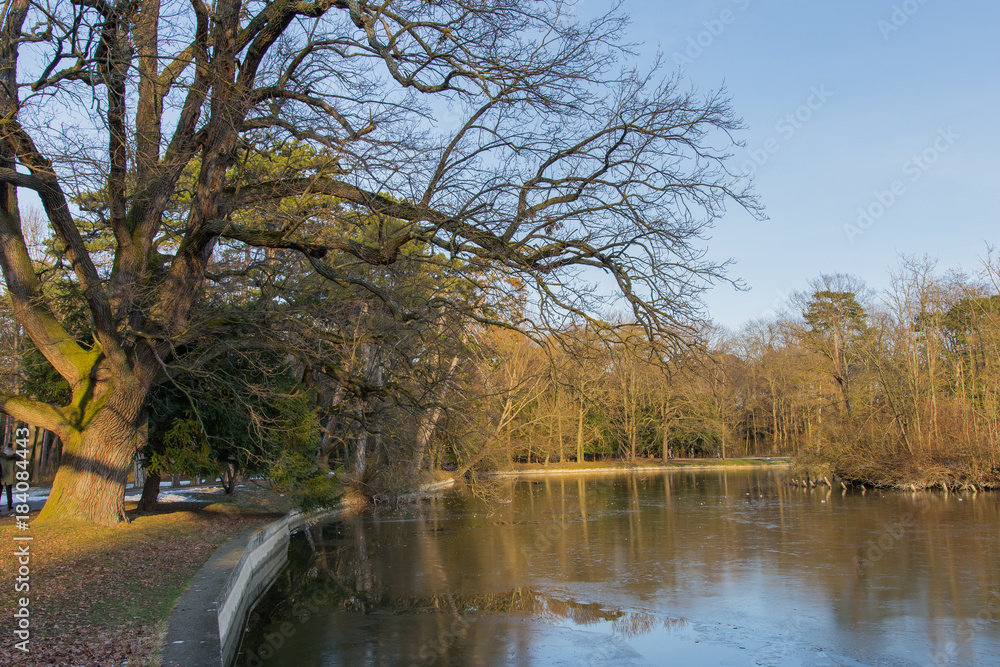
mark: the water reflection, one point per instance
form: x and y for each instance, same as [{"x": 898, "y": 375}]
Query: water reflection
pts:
[{"x": 716, "y": 566}]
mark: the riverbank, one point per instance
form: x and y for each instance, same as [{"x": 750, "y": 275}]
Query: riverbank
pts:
[
  {"x": 647, "y": 465},
  {"x": 101, "y": 595},
  {"x": 908, "y": 475}
]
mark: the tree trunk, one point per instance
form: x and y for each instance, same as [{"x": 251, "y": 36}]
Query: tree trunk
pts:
[
  {"x": 150, "y": 492},
  {"x": 323, "y": 453},
  {"x": 36, "y": 455},
  {"x": 428, "y": 424},
  {"x": 631, "y": 404},
  {"x": 666, "y": 440},
  {"x": 90, "y": 481},
  {"x": 361, "y": 447},
  {"x": 559, "y": 425},
  {"x": 228, "y": 478},
  {"x": 52, "y": 456},
  {"x": 373, "y": 372},
  {"x": 429, "y": 419},
  {"x": 138, "y": 472},
  {"x": 46, "y": 454},
  {"x": 326, "y": 443}
]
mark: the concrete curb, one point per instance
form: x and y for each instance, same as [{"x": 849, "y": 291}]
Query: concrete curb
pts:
[{"x": 205, "y": 625}]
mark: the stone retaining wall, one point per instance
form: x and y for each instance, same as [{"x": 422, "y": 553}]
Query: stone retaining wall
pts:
[
  {"x": 205, "y": 625},
  {"x": 263, "y": 557}
]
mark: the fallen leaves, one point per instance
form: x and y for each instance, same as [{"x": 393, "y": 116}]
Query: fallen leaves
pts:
[{"x": 100, "y": 596}]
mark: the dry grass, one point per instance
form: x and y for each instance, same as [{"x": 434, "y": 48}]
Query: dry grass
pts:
[{"x": 100, "y": 596}]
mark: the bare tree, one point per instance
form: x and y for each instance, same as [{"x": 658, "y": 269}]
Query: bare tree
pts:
[{"x": 139, "y": 117}]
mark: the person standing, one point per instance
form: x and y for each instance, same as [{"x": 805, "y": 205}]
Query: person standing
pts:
[{"x": 7, "y": 477}]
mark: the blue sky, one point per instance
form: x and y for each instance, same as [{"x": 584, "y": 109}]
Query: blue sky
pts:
[
  {"x": 839, "y": 98},
  {"x": 893, "y": 110}
]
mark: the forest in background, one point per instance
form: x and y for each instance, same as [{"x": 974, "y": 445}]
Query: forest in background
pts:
[
  {"x": 894, "y": 388},
  {"x": 899, "y": 388}
]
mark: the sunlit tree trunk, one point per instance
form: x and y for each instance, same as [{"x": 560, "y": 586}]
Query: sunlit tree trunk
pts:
[
  {"x": 361, "y": 446},
  {"x": 90, "y": 482},
  {"x": 326, "y": 440},
  {"x": 559, "y": 421}
]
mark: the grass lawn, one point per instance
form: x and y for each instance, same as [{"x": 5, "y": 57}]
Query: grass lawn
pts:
[{"x": 101, "y": 596}]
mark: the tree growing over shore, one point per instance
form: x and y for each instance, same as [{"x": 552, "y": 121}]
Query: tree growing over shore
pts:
[{"x": 139, "y": 118}]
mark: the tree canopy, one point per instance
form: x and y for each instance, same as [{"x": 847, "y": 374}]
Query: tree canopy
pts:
[{"x": 508, "y": 142}]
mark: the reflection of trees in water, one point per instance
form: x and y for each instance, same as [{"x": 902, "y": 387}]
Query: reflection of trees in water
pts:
[
  {"x": 670, "y": 534},
  {"x": 356, "y": 589},
  {"x": 340, "y": 578},
  {"x": 351, "y": 587},
  {"x": 631, "y": 624},
  {"x": 550, "y": 608}
]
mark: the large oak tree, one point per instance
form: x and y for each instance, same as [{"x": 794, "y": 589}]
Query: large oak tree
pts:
[{"x": 504, "y": 134}]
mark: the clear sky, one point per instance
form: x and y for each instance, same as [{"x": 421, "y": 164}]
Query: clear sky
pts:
[
  {"x": 894, "y": 109},
  {"x": 891, "y": 107}
]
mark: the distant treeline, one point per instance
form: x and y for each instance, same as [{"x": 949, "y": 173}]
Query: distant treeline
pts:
[{"x": 899, "y": 388}]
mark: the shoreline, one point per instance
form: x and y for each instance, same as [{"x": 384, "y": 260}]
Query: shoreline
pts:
[{"x": 556, "y": 469}]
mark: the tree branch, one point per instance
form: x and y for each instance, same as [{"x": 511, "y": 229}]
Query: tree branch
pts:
[{"x": 34, "y": 412}]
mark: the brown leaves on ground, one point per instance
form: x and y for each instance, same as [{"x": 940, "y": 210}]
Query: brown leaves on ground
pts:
[{"x": 100, "y": 596}]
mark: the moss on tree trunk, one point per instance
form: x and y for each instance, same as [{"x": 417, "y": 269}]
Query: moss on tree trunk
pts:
[{"x": 90, "y": 482}]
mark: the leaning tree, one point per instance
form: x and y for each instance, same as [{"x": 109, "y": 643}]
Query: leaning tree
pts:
[{"x": 507, "y": 135}]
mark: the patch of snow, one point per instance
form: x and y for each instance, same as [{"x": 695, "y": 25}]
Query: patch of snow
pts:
[
  {"x": 168, "y": 494},
  {"x": 38, "y": 493},
  {"x": 166, "y": 498}
]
